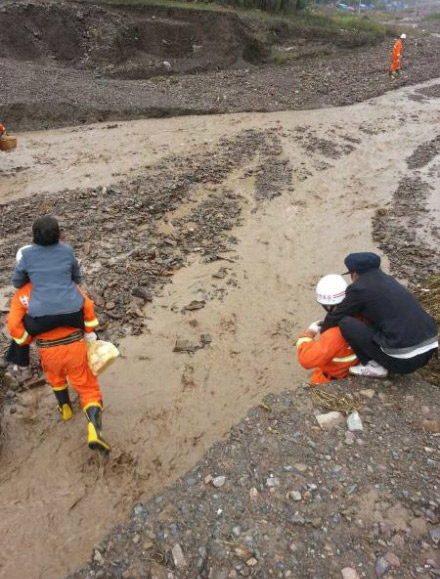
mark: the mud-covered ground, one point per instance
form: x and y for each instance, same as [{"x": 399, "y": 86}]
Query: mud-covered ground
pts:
[{"x": 107, "y": 64}]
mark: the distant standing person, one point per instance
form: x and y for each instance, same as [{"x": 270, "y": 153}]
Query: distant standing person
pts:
[{"x": 396, "y": 57}]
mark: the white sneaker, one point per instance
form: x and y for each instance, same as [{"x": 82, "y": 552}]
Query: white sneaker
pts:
[{"x": 371, "y": 369}]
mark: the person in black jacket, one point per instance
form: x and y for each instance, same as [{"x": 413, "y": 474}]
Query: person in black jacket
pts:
[{"x": 398, "y": 336}]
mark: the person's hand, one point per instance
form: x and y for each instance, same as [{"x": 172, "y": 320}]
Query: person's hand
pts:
[
  {"x": 91, "y": 337},
  {"x": 309, "y": 333},
  {"x": 315, "y": 326}
]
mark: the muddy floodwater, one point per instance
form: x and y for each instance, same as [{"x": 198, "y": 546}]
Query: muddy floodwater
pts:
[{"x": 334, "y": 168}]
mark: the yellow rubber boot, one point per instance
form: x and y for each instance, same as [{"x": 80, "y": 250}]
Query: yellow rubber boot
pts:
[
  {"x": 94, "y": 428},
  {"x": 64, "y": 404}
]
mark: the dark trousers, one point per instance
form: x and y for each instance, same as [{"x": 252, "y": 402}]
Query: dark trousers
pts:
[
  {"x": 360, "y": 338},
  {"x": 19, "y": 355}
]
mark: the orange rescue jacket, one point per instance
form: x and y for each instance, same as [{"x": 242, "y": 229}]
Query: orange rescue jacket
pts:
[
  {"x": 397, "y": 55},
  {"x": 330, "y": 356},
  {"x": 19, "y": 307}
]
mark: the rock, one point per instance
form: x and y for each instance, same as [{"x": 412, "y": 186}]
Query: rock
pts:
[
  {"x": 178, "y": 557},
  {"x": 349, "y": 438},
  {"x": 272, "y": 482},
  {"x": 381, "y": 567},
  {"x": 329, "y": 420},
  {"x": 166, "y": 64},
  {"x": 295, "y": 495},
  {"x": 354, "y": 422},
  {"x": 183, "y": 345},
  {"x": 236, "y": 531},
  {"x": 349, "y": 573},
  {"x": 219, "y": 481},
  {"x": 252, "y": 562},
  {"x": 206, "y": 339},
  {"x": 297, "y": 519},
  {"x": 431, "y": 426},
  {"x": 253, "y": 493},
  {"x": 435, "y": 535},
  {"x": 243, "y": 552},
  {"x": 98, "y": 557},
  {"x": 142, "y": 293},
  {"x": 110, "y": 306},
  {"x": 392, "y": 559},
  {"x": 367, "y": 393},
  {"x": 300, "y": 467}
]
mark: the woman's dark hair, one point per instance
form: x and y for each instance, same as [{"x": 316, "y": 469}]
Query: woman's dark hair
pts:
[{"x": 46, "y": 231}]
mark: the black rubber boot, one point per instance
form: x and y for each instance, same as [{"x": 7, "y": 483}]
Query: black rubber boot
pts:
[
  {"x": 64, "y": 404},
  {"x": 94, "y": 434}
]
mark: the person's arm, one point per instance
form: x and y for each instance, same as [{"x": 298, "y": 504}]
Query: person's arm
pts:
[
  {"x": 76, "y": 272},
  {"x": 15, "y": 324},
  {"x": 90, "y": 320},
  {"x": 311, "y": 353},
  {"x": 350, "y": 306},
  {"x": 20, "y": 277}
]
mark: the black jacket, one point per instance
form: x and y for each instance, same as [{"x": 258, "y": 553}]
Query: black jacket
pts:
[{"x": 400, "y": 322}]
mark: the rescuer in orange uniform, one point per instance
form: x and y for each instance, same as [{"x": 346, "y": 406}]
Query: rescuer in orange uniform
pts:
[
  {"x": 329, "y": 355},
  {"x": 396, "y": 57},
  {"x": 63, "y": 355}
]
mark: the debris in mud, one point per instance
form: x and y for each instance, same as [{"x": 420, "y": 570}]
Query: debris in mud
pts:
[
  {"x": 183, "y": 345},
  {"x": 295, "y": 501},
  {"x": 430, "y": 91},
  {"x": 126, "y": 253},
  {"x": 194, "y": 305},
  {"x": 398, "y": 230},
  {"x": 424, "y": 154}
]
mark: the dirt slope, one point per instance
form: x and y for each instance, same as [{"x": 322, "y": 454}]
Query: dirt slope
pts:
[
  {"x": 303, "y": 190},
  {"x": 68, "y": 63}
]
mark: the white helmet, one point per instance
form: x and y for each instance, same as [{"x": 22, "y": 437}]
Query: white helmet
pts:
[
  {"x": 331, "y": 290},
  {"x": 403, "y": 36},
  {"x": 20, "y": 252}
]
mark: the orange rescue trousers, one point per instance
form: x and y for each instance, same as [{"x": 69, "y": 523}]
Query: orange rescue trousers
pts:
[{"x": 69, "y": 362}]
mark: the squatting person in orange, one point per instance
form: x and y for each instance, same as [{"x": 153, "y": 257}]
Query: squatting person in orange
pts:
[
  {"x": 63, "y": 354},
  {"x": 396, "y": 57},
  {"x": 329, "y": 355}
]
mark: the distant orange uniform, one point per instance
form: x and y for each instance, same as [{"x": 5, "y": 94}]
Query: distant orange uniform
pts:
[
  {"x": 396, "y": 56},
  {"x": 62, "y": 351},
  {"x": 329, "y": 356}
]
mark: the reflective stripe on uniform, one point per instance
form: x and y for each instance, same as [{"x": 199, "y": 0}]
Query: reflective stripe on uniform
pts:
[
  {"x": 21, "y": 340},
  {"x": 351, "y": 358},
  {"x": 91, "y": 324},
  {"x": 302, "y": 341}
]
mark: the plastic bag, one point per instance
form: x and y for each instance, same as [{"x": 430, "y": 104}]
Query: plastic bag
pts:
[{"x": 101, "y": 355}]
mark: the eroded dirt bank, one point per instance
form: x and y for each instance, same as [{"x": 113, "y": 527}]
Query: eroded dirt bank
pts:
[
  {"x": 282, "y": 196},
  {"x": 106, "y": 63}
]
